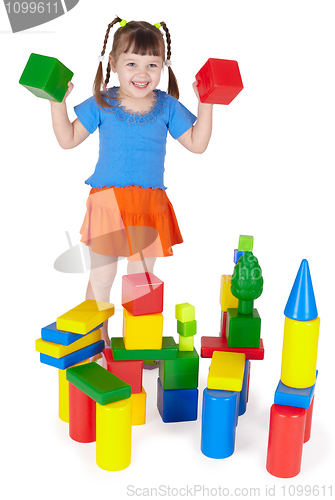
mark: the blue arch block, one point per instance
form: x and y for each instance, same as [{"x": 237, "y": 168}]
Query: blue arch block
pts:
[{"x": 301, "y": 304}]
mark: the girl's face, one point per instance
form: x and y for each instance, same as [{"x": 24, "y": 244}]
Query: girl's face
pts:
[{"x": 138, "y": 75}]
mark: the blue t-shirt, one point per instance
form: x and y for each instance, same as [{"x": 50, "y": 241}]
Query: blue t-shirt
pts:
[{"x": 132, "y": 146}]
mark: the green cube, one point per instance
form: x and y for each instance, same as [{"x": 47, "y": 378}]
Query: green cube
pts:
[
  {"x": 120, "y": 353},
  {"x": 185, "y": 312},
  {"x": 243, "y": 330},
  {"x": 188, "y": 329},
  {"x": 245, "y": 243},
  {"x": 97, "y": 383},
  {"x": 180, "y": 373},
  {"x": 46, "y": 77}
]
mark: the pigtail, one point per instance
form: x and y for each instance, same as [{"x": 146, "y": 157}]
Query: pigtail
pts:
[
  {"x": 173, "y": 84},
  {"x": 98, "y": 82}
]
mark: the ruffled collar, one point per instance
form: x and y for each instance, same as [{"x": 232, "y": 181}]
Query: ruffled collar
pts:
[{"x": 112, "y": 97}]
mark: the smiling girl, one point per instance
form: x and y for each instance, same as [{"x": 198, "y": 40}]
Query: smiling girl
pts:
[{"x": 128, "y": 212}]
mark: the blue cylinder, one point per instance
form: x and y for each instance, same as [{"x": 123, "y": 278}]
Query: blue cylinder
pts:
[
  {"x": 244, "y": 392},
  {"x": 219, "y": 414}
]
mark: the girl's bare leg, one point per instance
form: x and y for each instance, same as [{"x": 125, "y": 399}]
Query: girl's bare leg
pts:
[
  {"x": 141, "y": 266},
  {"x": 102, "y": 275}
]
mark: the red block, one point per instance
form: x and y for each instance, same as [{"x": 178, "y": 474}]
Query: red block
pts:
[
  {"x": 308, "y": 427},
  {"x": 142, "y": 293},
  {"x": 130, "y": 372},
  {"x": 219, "y": 81},
  {"x": 211, "y": 344},
  {"x": 286, "y": 440},
  {"x": 223, "y": 324},
  {"x": 82, "y": 421}
]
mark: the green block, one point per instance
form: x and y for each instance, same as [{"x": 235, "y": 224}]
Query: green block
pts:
[
  {"x": 180, "y": 373},
  {"x": 243, "y": 330},
  {"x": 120, "y": 353},
  {"x": 188, "y": 329},
  {"x": 185, "y": 312},
  {"x": 46, "y": 77},
  {"x": 245, "y": 243},
  {"x": 97, "y": 383},
  {"x": 186, "y": 343}
]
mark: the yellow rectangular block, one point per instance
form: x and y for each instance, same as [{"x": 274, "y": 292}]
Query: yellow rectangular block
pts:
[
  {"x": 113, "y": 436},
  {"x": 138, "y": 410},
  {"x": 300, "y": 350},
  {"x": 63, "y": 394},
  {"x": 83, "y": 318},
  {"x": 226, "y": 371},
  {"x": 227, "y": 299},
  {"x": 58, "y": 351},
  {"x": 186, "y": 343},
  {"x": 142, "y": 332}
]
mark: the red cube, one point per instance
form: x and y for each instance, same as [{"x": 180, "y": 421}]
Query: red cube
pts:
[
  {"x": 130, "y": 372},
  {"x": 142, "y": 293},
  {"x": 219, "y": 81}
]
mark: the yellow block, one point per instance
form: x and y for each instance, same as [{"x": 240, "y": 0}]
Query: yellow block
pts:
[
  {"x": 227, "y": 299},
  {"x": 142, "y": 332},
  {"x": 226, "y": 371},
  {"x": 83, "y": 318},
  {"x": 58, "y": 351},
  {"x": 138, "y": 410},
  {"x": 63, "y": 394},
  {"x": 186, "y": 343},
  {"x": 113, "y": 436},
  {"x": 300, "y": 349}
]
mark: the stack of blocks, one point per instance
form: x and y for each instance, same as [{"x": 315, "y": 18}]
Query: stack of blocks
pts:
[
  {"x": 291, "y": 413},
  {"x": 177, "y": 385},
  {"x": 226, "y": 395}
]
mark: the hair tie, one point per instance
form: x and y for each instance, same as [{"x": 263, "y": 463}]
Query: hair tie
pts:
[
  {"x": 101, "y": 58},
  {"x": 123, "y": 23},
  {"x": 168, "y": 63},
  {"x": 158, "y": 25}
]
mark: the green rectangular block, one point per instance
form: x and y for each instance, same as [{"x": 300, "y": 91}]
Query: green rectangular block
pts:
[
  {"x": 245, "y": 243},
  {"x": 243, "y": 330},
  {"x": 180, "y": 373},
  {"x": 97, "y": 383},
  {"x": 46, "y": 77},
  {"x": 169, "y": 350},
  {"x": 187, "y": 329}
]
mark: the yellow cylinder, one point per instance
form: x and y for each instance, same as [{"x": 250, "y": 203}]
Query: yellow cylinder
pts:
[
  {"x": 300, "y": 349},
  {"x": 113, "y": 437}
]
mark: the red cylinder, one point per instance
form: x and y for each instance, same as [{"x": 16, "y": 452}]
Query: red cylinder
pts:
[
  {"x": 286, "y": 439},
  {"x": 82, "y": 411},
  {"x": 308, "y": 426}
]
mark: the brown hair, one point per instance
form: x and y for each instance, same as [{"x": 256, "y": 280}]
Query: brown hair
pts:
[{"x": 143, "y": 38}]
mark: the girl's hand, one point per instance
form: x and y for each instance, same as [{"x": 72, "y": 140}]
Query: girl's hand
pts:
[
  {"x": 69, "y": 90},
  {"x": 195, "y": 88}
]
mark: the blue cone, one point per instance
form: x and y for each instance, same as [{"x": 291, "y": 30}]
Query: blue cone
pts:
[{"x": 301, "y": 304}]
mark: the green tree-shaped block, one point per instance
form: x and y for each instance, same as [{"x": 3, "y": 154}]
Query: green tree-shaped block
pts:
[{"x": 247, "y": 282}]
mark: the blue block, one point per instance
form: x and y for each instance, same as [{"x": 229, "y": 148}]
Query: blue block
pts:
[
  {"x": 237, "y": 255},
  {"x": 74, "y": 357},
  {"x": 301, "y": 304},
  {"x": 219, "y": 417},
  {"x": 50, "y": 333},
  {"x": 289, "y": 396},
  {"x": 180, "y": 405},
  {"x": 244, "y": 392}
]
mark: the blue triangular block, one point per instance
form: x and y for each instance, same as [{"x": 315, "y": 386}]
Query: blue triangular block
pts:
[{"x": 301, "y": 304}]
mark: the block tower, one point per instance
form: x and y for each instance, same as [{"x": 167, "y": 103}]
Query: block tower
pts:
[
  {"x": 291, "y": 413},
  {"x": 226, "y": 395}
]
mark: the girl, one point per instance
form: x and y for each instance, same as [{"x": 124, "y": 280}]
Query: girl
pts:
[{"x": 128, "y": 212}]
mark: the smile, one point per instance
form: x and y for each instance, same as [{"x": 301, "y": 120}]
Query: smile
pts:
[{"x": 140, "y": 85}]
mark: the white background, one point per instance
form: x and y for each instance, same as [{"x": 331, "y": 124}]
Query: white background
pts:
[{"x": 267, "y": 172}]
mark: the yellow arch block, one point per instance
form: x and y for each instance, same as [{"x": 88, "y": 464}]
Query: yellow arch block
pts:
[
  {"x": 226, "y": 371},
  {"x": 227, "y": 299},
  {"x": 138, "y": 412},
  {"x": 58, "y": 351},
  {"x": 113, "y": 435},
  {"x": 300, "y": 349}
]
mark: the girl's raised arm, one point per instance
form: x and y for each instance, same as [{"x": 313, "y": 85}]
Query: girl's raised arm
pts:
[{"x": 69, "y": 135}]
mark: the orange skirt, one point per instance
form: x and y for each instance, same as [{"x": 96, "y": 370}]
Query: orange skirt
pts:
[{"x": 130, "y": 222}]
